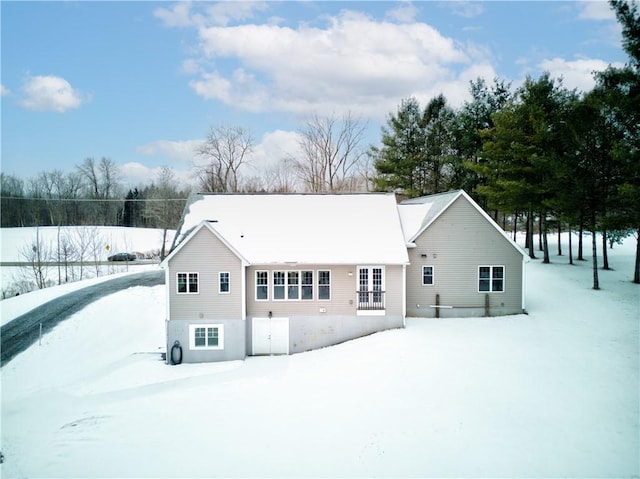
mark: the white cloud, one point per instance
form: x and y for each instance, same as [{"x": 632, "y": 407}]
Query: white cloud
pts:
[
  {"x": 403, "y": 14},
  {"x": 354, "y": 63},
  {"x": 181, "y": 14},
  {"x": 595, "y": 10},
  {"x": 273, "y": 147},
  {"x": 136, "y": 174},
  {"x": 4, "y": 91},
  {"x": 466, "y": 9},
  {"x": 575, "y": 73},
  {"x": 181, "y": 151},
  {"x": 51, "y": 93},
  {"x": 222, "y": 13}
]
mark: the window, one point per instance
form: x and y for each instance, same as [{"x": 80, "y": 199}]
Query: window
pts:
[
  {"x": 292, "y": 285},
  {"x": 307, "y": 285},
  {"x": 427, "y": 275},
  {"x": 223, "y": 283},
  {"x": 206, "y": 336},
  {"x": 491, "y": 279},
  {"x": 187, "y": 283},
  {"x": 278, "y": 285},
  {"x": 262, "y": 286},
  {"x": 324, "y": 285},
  {"x": 371, "y": 288}
]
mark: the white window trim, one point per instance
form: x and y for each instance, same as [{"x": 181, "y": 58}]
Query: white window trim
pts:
[
  {"x": 318, "y": 283},
  {"x": 296, "y": 285},
  {"x": 314, "y": 274},
  {"x": 192, "y": 337},
  {"x": 383, "y": 289},
  {"x": 220, "y": 282},
  {"x": 261, "y": 285},
  {"x": 383, "y": 284},
  {"x": 286, "y": 285},
  {"x": 433, "y": 275},
  {"x": 188, "y": 273},
  {"x": 504, "y": 278}
]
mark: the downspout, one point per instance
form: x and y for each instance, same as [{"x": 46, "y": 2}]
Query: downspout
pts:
[
  {"x": 524, "y": 285},
  {"x": 404, "y": 295},
  {"x": 168, "y": 314},
  {"x": 243, "y": 292}
]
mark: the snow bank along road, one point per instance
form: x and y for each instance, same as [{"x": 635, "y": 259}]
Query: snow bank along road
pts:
[{"x": 23, "y": 331}]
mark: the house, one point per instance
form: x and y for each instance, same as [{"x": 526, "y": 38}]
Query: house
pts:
[
  {"x": 254, "y": 274},
  {"x": 277, "y": 274},
  {"x": 461, "y": 263}
]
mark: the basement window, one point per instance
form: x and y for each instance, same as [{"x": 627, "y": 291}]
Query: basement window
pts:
[{"x": 206, "y": 336}]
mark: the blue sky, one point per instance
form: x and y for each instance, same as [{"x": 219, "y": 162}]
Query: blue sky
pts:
[{"x": 142, "y": 82}]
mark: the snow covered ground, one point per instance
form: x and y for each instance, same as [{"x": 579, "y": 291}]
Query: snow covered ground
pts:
[
  {"x": 98, "y": 243},
  {"x": 554, "y": 393}
]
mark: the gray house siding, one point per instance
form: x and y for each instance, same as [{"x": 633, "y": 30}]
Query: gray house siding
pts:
[
  {"x": 313, "y": 332},
  {"x": 318, "y": 323},
  {"x": 455, "y": 245},
  {"x": 234, "y": 340},
  {"x": 207, "y": 256},
  {"x": 344, "y": 284}
]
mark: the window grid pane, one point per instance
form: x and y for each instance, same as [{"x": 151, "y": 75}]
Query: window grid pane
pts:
[
  {"x": 278, "y": 285},
  {"x": 324, "y": 285},
  {"x": 193, "y": 282},
  {"x": 498, "y": 278},
  {"x": 212, "y": 336},
  {"x": 377, "y": 285},
  {"x": 199, "y": 337},
  {"x": 427, "y": 275},
  {"x": 262, "y": 285},
  {"x": 364, "y": 285},
  {"x": 307, "y": 285},
  {"x": 491, "y": 279},
  {"x": 293, "y": 282},
  {"x": 182, "y": 283},
  {"x": 224, "y": 282}
]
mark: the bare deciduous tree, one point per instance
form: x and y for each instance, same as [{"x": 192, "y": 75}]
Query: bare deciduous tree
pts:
[
  {"x": 164, "y": 207},
  {"x": 36, "y": 254},
  {"x": 102, "y": 182},
  {"x": 224, "y": 151},
  {"x": 331, "y": 152}
]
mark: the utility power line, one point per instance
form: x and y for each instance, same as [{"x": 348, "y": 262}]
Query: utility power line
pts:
[{"x": 90, "y": 200}]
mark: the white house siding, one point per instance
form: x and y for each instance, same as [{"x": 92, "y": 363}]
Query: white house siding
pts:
[
  {"x": 456, "y": 244},
  {"x": 314, "y": 324},
  {"x": 206, "y": 255}
]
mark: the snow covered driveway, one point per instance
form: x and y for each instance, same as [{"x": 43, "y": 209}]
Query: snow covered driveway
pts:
[{"x": 23, "y": 331}]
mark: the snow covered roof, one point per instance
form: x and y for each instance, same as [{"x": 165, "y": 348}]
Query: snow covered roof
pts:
[
  {"x": 417, "y": 213},
  {"x": 302, "y": 228}
]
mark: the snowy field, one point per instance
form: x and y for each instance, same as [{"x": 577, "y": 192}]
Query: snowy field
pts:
[
  {"x": 550, "y": 394},
  {"x": 98, "y": 242}
]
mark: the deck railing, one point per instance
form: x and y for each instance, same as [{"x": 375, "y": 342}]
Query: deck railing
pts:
[{"x": 370, "y": 300}]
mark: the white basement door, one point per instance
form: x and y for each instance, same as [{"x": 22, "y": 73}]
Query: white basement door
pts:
[{"x": 270, "y": 336}]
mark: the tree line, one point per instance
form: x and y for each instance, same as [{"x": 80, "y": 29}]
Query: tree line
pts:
[
  {"x": 541, "y": 153},
  {"x": 91, "y": 194}
]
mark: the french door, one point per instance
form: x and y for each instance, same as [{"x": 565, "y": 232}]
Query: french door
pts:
[{"x": 370, "y": 287}]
